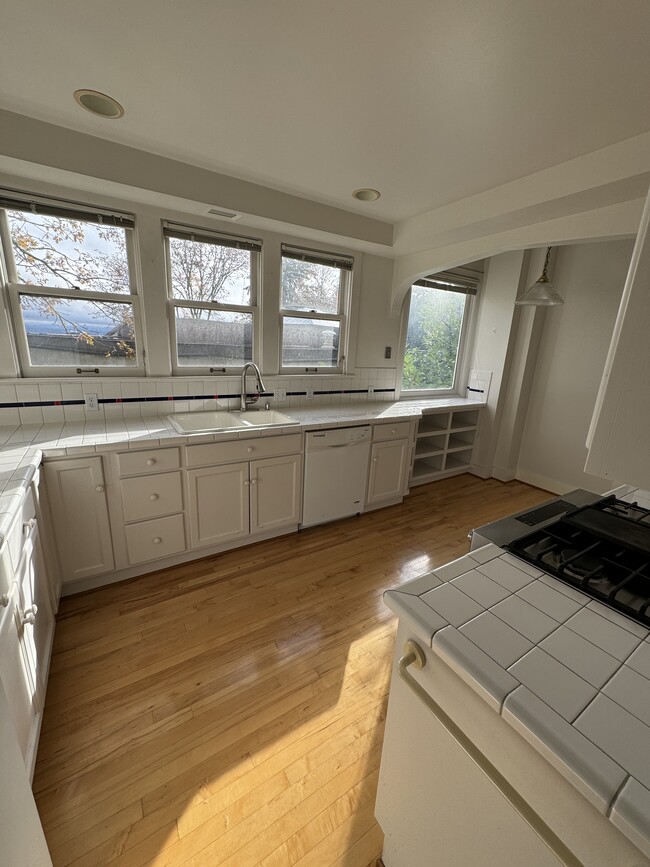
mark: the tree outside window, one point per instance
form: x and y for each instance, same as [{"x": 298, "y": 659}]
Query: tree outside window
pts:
[
  {"x": 312, "y": 303},
  {"x": 432, "y": 339},
  {"x": 80, "y": 310},
  {"x": 212, "y": 291}
]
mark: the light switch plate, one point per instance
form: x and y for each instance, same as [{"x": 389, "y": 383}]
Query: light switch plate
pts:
[
  {"x": 310, "y": 393},
  {"x": 280, "y": 394}
]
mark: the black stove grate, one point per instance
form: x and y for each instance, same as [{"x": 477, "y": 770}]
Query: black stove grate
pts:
[{"x": 602, "y": 550}]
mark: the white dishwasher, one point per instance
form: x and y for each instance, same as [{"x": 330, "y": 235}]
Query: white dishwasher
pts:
[{"x": 336, "y": 473}]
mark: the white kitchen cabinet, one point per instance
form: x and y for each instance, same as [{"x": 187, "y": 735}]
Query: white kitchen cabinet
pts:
[
  {"x": 388, "y": 471},
  {"x": 275, "y": 493},
  {"x": 153, "y": 540},
  {"x": 218, "y": 504},
  {"x": 445, "y": 444},
  {"x": 231, "y": 501},
  {"x": 26, "y": 633},
  {"x": 17, "y": 680},
  {"x": 35, "y": 615},
  {"x": 77, "y": 495},
  {"x": 21, "y": 833},
  {"x": 618, "y": 443}
]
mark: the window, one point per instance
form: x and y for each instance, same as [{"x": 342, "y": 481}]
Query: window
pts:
[
  {"x": 71, "y": 288},
  {"x": 437, "y": 314},
  {"x": 313, "y": 301},
  {"x": 212, "y": 288}
]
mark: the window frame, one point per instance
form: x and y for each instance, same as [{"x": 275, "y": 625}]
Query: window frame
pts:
[
  {"x": 345, "y": 263},
  {"x": 16, "y": 289},
  {"x": 198, "y": 234},
  {"x": 462, "y": 361}
]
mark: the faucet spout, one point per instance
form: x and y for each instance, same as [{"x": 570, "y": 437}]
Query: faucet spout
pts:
[{"x": 245, "y": 399}]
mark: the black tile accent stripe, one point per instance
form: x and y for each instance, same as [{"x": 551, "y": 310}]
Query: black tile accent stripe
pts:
[{"x": 25, "y": 404}]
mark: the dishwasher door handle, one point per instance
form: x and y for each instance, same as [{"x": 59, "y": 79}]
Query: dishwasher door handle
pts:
[{"x": 414, "y": 656}]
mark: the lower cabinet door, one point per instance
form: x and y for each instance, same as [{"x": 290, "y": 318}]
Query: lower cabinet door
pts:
[
  {"x": 387, "y": 470},
  {"x": 35, "y": 614},
  {"x": 76, "y": 492},
  {"x": 218, "y": 504},
  {"x": 21, "y": 833},
  {"x": 275, "y": 493},
  {"x": 18, "y": 678}
]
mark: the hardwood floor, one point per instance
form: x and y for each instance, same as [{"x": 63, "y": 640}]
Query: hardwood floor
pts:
[{"x": 230, "y": 711}]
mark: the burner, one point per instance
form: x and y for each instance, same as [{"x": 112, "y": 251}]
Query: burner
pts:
[
  {"x": 578, "y": 563},
  {"x": 602, "y": 549}
]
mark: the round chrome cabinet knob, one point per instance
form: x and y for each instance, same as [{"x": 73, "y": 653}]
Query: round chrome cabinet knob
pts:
[{"x": 151, "y": 462}]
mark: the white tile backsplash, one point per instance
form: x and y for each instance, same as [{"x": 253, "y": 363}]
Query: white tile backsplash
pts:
[{"x": 113, "y": 388}]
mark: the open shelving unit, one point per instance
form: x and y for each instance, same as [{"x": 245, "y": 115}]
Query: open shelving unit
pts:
[{"x": 444, "y": 444}]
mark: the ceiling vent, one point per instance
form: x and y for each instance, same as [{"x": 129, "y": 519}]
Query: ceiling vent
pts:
[{"x": 224, "y": 215}]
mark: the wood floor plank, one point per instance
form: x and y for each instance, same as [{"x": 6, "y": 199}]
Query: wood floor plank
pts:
[{"x": 230, "y": 711}]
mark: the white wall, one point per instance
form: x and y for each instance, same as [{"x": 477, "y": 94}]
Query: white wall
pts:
[
  {"x": 378, "y": 326},
  {"x": 570, "y": 362},
  {"x": 492, "y": 344}
]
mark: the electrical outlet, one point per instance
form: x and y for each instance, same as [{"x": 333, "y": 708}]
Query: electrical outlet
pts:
[
  {"x": 310, "y": 393},
  {"x": 388, "y": 351},
  {"x": 371, "y": 390},
  {"x": 280, "y": 394},
  {"x": 92, "y": 402}
]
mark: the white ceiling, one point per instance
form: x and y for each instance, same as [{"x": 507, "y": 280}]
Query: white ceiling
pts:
[{"x": 430, "y": 101}]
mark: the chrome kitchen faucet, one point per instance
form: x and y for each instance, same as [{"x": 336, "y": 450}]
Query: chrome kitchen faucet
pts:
[{"x": 245, "y": 400}]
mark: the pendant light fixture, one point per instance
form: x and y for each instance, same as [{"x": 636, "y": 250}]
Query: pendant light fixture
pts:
[{"x": 541, "y": 293}]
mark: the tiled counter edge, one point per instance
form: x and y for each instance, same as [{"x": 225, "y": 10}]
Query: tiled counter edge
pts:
[
  {"x": 22, "y": 447},
  {"x": 609, "y": 786}
]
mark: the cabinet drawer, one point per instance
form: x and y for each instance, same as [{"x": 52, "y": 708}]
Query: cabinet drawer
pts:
[
  {"x": 395, "y": 431},
  {"x": 149, "y": 461},
  {"x": 151, "y": 540},
  {"x": 151, "y": 496},
  {"x": 209, "y": 454}
]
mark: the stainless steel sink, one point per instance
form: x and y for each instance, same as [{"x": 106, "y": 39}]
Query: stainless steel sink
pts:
[{"x": 219, "y": 420}]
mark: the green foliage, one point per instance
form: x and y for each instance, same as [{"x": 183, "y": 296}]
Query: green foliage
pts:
[{"x": 435, "y": 321}]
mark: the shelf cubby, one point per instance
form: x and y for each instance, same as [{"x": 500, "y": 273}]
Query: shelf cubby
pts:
[
  {"x": 458, "y": 460},
  {"x": 444, "y": 444},
  {"x": 434, "y": 423},
  {"x": 461, "y": 439},
  {"x": 465, "y": 418}
]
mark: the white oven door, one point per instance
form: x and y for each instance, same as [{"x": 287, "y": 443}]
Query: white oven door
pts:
[{"x": 438, "y": 809}]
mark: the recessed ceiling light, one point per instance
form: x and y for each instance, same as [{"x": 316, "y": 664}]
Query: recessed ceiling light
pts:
[
  {"x": 99, "y": 103},
  {"x": 365, "y": 194}
]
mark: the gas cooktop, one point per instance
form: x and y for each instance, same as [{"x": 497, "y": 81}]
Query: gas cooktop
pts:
[{"x": 602, "y": 549}]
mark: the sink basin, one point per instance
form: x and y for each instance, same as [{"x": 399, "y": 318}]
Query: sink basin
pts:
[
  {"x": 193, "y": 422},
  {"x": 265, "y": 418},
  {"x": 219, "y": 420}
]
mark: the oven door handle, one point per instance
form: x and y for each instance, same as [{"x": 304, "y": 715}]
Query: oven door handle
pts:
[{"x": 414, "y": 656}]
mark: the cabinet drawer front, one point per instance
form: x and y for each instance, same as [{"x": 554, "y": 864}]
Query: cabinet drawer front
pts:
[
  {"x": 151, "y": 496},
  {"x": 242, "y": 450},
  {"x": 149, "y": 461},
  {"x": 395, "y": 431},
  {"x": 151, "y": 540}
]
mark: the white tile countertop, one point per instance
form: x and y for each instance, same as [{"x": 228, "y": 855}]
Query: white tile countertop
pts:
[
  {"x": 571, "y": 675},
  {"x": 22, "y": 447}
]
